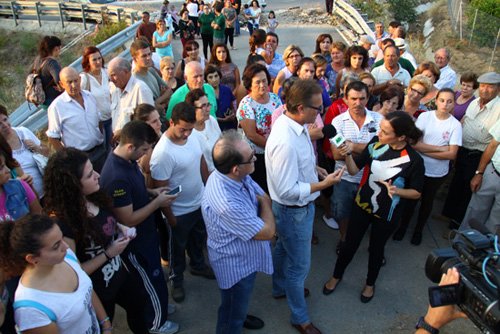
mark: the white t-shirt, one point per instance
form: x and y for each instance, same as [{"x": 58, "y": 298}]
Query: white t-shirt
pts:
[
  {"x": 207, "y": 139},
  {"x": 192, "y": 9},
  {"x": 99, "y": 91},
  {"x": 73, "y": 311},
  {"x": 180, "y": 165},
  {"x": 25, "y": 158},
  {"x": 440, "y": 133}
]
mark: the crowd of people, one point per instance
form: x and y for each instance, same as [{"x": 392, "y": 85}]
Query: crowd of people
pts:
[{"x": 150, "y": 160}]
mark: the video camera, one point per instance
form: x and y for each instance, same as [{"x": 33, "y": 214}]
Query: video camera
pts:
[{"x": 477, "y": 258}]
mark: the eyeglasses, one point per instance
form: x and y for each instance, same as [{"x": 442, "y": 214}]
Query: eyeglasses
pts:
[
  {"x": 204, "y": 105},
  {"x": 318, "y": 109},
  {"x": 416, "y": 91},
  {"x": 250, "y": 160}
]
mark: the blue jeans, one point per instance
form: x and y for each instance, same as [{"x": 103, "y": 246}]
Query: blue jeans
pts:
[
  {"x": 234, "y": 305},
  {"x": 237, "y": 27},
  {"x": 292, "y": 257},
  {"x": 342, "y": 199}
]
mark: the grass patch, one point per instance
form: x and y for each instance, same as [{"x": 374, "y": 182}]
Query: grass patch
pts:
[{"x": 107, "y": 31}]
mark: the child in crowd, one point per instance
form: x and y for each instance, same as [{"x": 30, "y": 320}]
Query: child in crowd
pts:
[{"x": 272, "y": 22}]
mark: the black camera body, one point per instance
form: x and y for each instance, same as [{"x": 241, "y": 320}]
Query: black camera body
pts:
[{"x": 475, "y": 256}]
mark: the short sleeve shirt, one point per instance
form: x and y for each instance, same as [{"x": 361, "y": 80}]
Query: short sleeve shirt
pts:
[
  {"x": 404, "y": 168},
  {"x": 261, "y": 113}
]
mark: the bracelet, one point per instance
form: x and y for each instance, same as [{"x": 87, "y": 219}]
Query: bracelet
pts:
[
  {"x": 108, "y": 258},
  {"x": 108, "y": 329},
  {"x": 103, "y": 321}
]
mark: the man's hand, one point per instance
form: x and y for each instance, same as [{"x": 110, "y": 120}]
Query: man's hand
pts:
[
  {"x": 322, "y": 173},
  {"x": 334, "y": 177},
  {"x": 440, "y": 316},
  {"x": 475, "y": 183},
  {"x": 164, "y": 200}
]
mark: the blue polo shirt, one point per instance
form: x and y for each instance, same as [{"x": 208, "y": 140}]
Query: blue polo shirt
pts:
[{"x": 123, "y": 181}]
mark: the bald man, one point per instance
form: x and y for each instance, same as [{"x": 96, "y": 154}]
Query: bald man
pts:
[
  {"x": 448, "y": 77},
  {"x": 193, "y": 75},
  {"x": 74, "y": 120},
  {"x": 127, "y": 92}
]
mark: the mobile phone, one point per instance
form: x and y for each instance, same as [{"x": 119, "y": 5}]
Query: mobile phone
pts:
[
  {"x": 337, "y": 140},
  {"x": 444, "y": 295},
  {"x": 131, "y": 232},
  {"x": 175, "y": 191}
]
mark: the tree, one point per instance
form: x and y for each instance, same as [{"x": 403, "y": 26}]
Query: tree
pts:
[{"x": 403, "y": 10}]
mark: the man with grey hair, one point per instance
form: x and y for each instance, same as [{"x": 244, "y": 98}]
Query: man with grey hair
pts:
[
  {"x": 448, "y": 77},
  {"x": 193, "y": 74},
  {"x": 292, "y": 178},
  {"x": 240, "y": 222},
  {"x": 73, "y": 119},
  {"x": 480, "y": 117},
  {"x": 127, "y": 92}
]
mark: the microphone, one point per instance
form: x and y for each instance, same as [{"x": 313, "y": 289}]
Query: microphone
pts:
[{"x": 329, "y": 131}]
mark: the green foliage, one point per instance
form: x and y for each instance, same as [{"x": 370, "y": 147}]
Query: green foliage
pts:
[
  {"x": 107, "y": 31},
  {"x": 403, "y": 10},
  {"x": 374, "y": 9},
  {"x": 29, "y": 42},
  {"x": 487, "y": 21}
]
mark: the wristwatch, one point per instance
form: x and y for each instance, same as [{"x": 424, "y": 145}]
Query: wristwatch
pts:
[
  {"x": 478, "y": 173},
  {"x": 422, "y": 324}
]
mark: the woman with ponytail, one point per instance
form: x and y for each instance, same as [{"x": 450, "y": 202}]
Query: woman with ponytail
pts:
[
  {"x": 393, "y": 171},
  {"x": 54, "y": 294}
]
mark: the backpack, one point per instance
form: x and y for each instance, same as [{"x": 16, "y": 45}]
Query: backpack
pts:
[{"x": 33, "y": 91}]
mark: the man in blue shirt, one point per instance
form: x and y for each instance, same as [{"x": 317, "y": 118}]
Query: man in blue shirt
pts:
[
  {"x": 240, "y": 222},
  {"x": 123, "y": 181}
]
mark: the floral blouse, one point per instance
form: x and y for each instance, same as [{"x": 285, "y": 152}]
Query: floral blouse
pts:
[{"x": 261, "y": 113}]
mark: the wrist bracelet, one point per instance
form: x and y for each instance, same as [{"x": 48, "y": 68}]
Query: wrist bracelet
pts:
[
  {"x": 103, "y": 321},
  {"x": 108, "y": 258}
]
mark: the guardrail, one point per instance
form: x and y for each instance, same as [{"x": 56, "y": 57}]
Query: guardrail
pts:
[
  {"x": 65, "y": 12},
  {"x": 353, "y": 18},
  {"x": 35, "y": 118}
]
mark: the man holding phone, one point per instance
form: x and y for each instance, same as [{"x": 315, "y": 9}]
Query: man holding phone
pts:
[
  {"x": 356, "y": 127},
  {"x": 178, "y": 160},
  {"x": 292, "y": 177}
]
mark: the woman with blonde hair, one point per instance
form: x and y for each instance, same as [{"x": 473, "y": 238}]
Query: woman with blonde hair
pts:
[
  {"x": 419, "y": 86},
  {"x": 431, "y": 71},
  {"x": 292, "y": 57},
  {"x": 167, "y": 69}
]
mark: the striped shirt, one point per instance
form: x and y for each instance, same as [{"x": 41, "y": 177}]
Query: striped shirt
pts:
[
  {"x": 230, "y": 210},
  {"x": 347, "y": 127}
]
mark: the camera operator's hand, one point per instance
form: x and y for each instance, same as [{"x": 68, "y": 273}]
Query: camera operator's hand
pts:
[{"x": 437, "y": 317}]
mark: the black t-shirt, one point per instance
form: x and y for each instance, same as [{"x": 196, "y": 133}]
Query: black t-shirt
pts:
[
  {"x": 405, "y": 168},
  {"x": 125, "y": 183},
  {"x": 108, "y": 279}
]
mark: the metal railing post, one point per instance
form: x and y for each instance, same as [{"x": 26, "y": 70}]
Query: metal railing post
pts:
[
  {"x": 14, "y": 14},
  {"x": 61, "y": 13},
  {"x": 37, "y": 7},
  {"x": 84, "y": 20}
]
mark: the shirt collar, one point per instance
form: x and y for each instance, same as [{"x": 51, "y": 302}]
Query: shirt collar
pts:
[
  {"x": 296, "y": 127},
  {"x": 66, "y": 98},
  {"x": 130, "y": 84}
]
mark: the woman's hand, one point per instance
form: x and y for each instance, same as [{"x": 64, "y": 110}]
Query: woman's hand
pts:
[
  {"x": 391, "y": 190},
  {"x": 117, "y": 246},
  {"x": 27, "y": 178}
]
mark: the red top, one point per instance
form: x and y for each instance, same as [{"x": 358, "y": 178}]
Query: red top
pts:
[{"x": 338, "y": 107}]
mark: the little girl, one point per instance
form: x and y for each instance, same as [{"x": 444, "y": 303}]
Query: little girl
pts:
[{"x": 272, "y": 23}]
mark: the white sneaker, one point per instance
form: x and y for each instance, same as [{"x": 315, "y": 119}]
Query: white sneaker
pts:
[
  {"x": 331, "y": 223},
  {"x": 169, "y": 327},
  {"x": 171, "y": 309}
]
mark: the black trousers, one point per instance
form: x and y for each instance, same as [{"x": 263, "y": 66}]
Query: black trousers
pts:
[
  {"x": 260, "y": 175},
  {"x": 380, "y": 232},
  {"x": 329, "y": 6},
  {"x": 208, "y": 42},
  {"x": 229, "y": 32},
  {"x": 459, "y": 193},
  {"x": 431, "y": 186}
]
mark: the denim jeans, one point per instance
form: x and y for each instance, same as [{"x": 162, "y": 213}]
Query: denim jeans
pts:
[
  {"x": 292, "y": 257},
  {"x": 237, "y": 27},
  {"x": 189, "y": 235},
  {"x": 234, "y": 305}
]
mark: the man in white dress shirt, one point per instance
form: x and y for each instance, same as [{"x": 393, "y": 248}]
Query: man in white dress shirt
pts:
[
  {"x": 448, "y": 77},
  {"x": 127, "y": 92},
  {"x": 73, "y": 119},
  {"x": 292, "y": 178}
]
